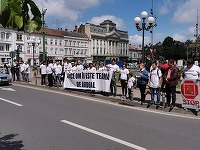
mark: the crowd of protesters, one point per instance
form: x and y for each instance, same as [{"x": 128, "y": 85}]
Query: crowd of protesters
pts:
[{"x": 153, "y": 78}]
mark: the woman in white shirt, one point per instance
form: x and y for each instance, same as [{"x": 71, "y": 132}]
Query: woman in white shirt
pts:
[{"x": 124, "y": 80}]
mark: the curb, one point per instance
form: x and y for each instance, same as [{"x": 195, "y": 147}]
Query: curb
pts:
[{"x": 177, "y": 109}]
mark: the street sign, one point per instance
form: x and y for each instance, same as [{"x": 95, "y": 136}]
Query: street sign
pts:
[
  {"x": 190, "y": 90},
  {"x": 12, "y": 54}
]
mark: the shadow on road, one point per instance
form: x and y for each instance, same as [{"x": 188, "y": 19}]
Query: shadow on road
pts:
[{"x": 7, "y": 142}]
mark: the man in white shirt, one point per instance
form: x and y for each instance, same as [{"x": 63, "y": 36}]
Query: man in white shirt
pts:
[
  {"x": 115, "y": 68},
  {"x": 58, "y": 72},
  {"x": 67, "y": 66},
  {"x": 22, "y": 70},
  {"x": 191, "y": 71},
  {"x": 27, "y": 71},
  {"x": 154, "y": 83},
  {"x": 43, "y": 72},
  {"x": 123, "y": 78}
]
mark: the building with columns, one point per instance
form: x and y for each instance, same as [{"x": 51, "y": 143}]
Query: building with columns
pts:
[{"x": 105, "y": 41}]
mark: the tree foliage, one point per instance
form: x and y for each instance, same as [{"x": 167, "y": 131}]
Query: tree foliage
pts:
[{"x": 23, "y": 15}]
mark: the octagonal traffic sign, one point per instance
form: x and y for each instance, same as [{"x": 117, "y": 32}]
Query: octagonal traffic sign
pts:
[{"x": 190, "y": 94}]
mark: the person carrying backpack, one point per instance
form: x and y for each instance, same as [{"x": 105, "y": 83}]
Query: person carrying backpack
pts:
[{"x": 154, "y": 83}]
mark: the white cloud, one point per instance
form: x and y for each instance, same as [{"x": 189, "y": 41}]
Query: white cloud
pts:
[
  {"x": 165, "y": 7},
  {"x": 179, "y": 37},
  {"x": 68, "y": 9},
  {"x": 99, "y": 19},
  {"x": 186, "y": 12},
  {"x": 137, "y": 40}
]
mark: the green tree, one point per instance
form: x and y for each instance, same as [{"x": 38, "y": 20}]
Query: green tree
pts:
[{"x": 23, "y": 15}]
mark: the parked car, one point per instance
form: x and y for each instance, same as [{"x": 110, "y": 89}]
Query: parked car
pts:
[{"x": 5, "y": 78}]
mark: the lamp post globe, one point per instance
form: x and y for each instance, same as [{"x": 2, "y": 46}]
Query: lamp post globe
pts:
[
  {"x": 144, "y": 15},
  {"x": 151, "y": 20},
  {"x": 144, "y": 26},
  {"x": 137, "y": 20}
]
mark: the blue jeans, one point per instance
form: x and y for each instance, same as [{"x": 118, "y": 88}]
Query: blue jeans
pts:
[{"x": 152, "y": 91}]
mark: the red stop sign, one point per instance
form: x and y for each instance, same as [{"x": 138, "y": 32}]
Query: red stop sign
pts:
[{"x": 189, "y": 89}]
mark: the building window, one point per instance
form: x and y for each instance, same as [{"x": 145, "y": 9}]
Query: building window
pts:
[
  {"x": 66, "y": 51},
  {"x": 66, "y": 42},
  {"x": 74, "y": 43},
  {"x": 55, "y": 42},
  {"x": 60, "y": 42},
  {"x": 7, "y": 36},
  {"x": 1, "y": 48},
  {"x": 51, "y": 42},
  {"x": 28, "y": 51},
  {"x": 19, "y": 37},
  {"x": 7, "y": 47},
  {"x": 2, "y": 35}
]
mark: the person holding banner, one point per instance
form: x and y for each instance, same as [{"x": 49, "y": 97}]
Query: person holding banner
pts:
[
  {"x": 115, "y": 68},
  {"x": 91, "y": 67},
  {"x": 191, "y": 71},
  {"x": 101, "y": 66},
  {"x": 79, "y": 66}
]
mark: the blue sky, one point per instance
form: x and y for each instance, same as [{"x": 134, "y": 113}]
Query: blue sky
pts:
[{"x": 175, "y": 18}]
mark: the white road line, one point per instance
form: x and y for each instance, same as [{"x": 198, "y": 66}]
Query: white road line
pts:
[
  {"x": 8, "y": 101},
  {"x": 104, "y": 135},
  {"x": 111, "y": 103}
]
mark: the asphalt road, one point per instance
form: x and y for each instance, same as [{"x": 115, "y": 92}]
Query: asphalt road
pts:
[{"x": 39, "y": 119}]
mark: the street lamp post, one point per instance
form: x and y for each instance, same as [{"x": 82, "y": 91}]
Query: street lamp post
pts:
[
  {"x": 34, "y": 42},
  {"x": 43, "y": 34},
  {"x": 145, "y": 26}
]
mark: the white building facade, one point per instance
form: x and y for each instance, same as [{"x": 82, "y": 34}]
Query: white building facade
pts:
[
  {"x": 105, "y": 41},
  {"x": 58, "y": 45}
]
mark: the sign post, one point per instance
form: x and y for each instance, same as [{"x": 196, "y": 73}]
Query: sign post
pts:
[{"x": 190, "y": 93}]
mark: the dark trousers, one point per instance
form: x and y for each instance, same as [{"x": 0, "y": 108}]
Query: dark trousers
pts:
[
  {"x": 142, "y": 88},
  {"x": 170, "y": 94},
  {"x": 17, "y": 75},
  {"x": 113, "y": 87},
  {"x": 43, "y": 79},
  {"x": 124, "y": 87},
  {"x": 50, "y": 80}
]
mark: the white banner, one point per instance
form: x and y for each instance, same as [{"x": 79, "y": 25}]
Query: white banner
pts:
[
  {"x": 190, "y": 92},
  {"x": 90, "y": 80}
]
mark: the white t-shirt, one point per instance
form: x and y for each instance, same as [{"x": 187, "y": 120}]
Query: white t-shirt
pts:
[
  {"x": 155, "y": 75},
  {"x": 43, "y": 69},
  {"x": 124, "y": 73},
  {"x": 79, "y": 67},
  {"x": 102, "y": 68},
  {"x": 67, "y": 67},
  {"x": 22, "y": 67},
  {"x": 192, "y": 73},
  {"x": 27, "y": 68},
  {"x": 130, "y": 82},
  {"x": 49, "y": 68},
  {"x": 58, "y": 69},
  {"x": 92, "y": 69}
]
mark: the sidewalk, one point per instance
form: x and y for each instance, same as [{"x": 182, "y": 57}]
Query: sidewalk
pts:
[{"x": 117, "y": 99}]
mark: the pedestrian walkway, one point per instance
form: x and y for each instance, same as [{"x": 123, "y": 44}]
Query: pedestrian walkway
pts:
[{"x": 36, "y": 81}]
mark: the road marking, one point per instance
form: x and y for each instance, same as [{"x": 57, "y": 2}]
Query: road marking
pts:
[
  {"x": 7, "y": 89},
  {"x": 172, "y": 114},
  {"x": 8, "y": 101},
  {"x": 104, "y": 135}
]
